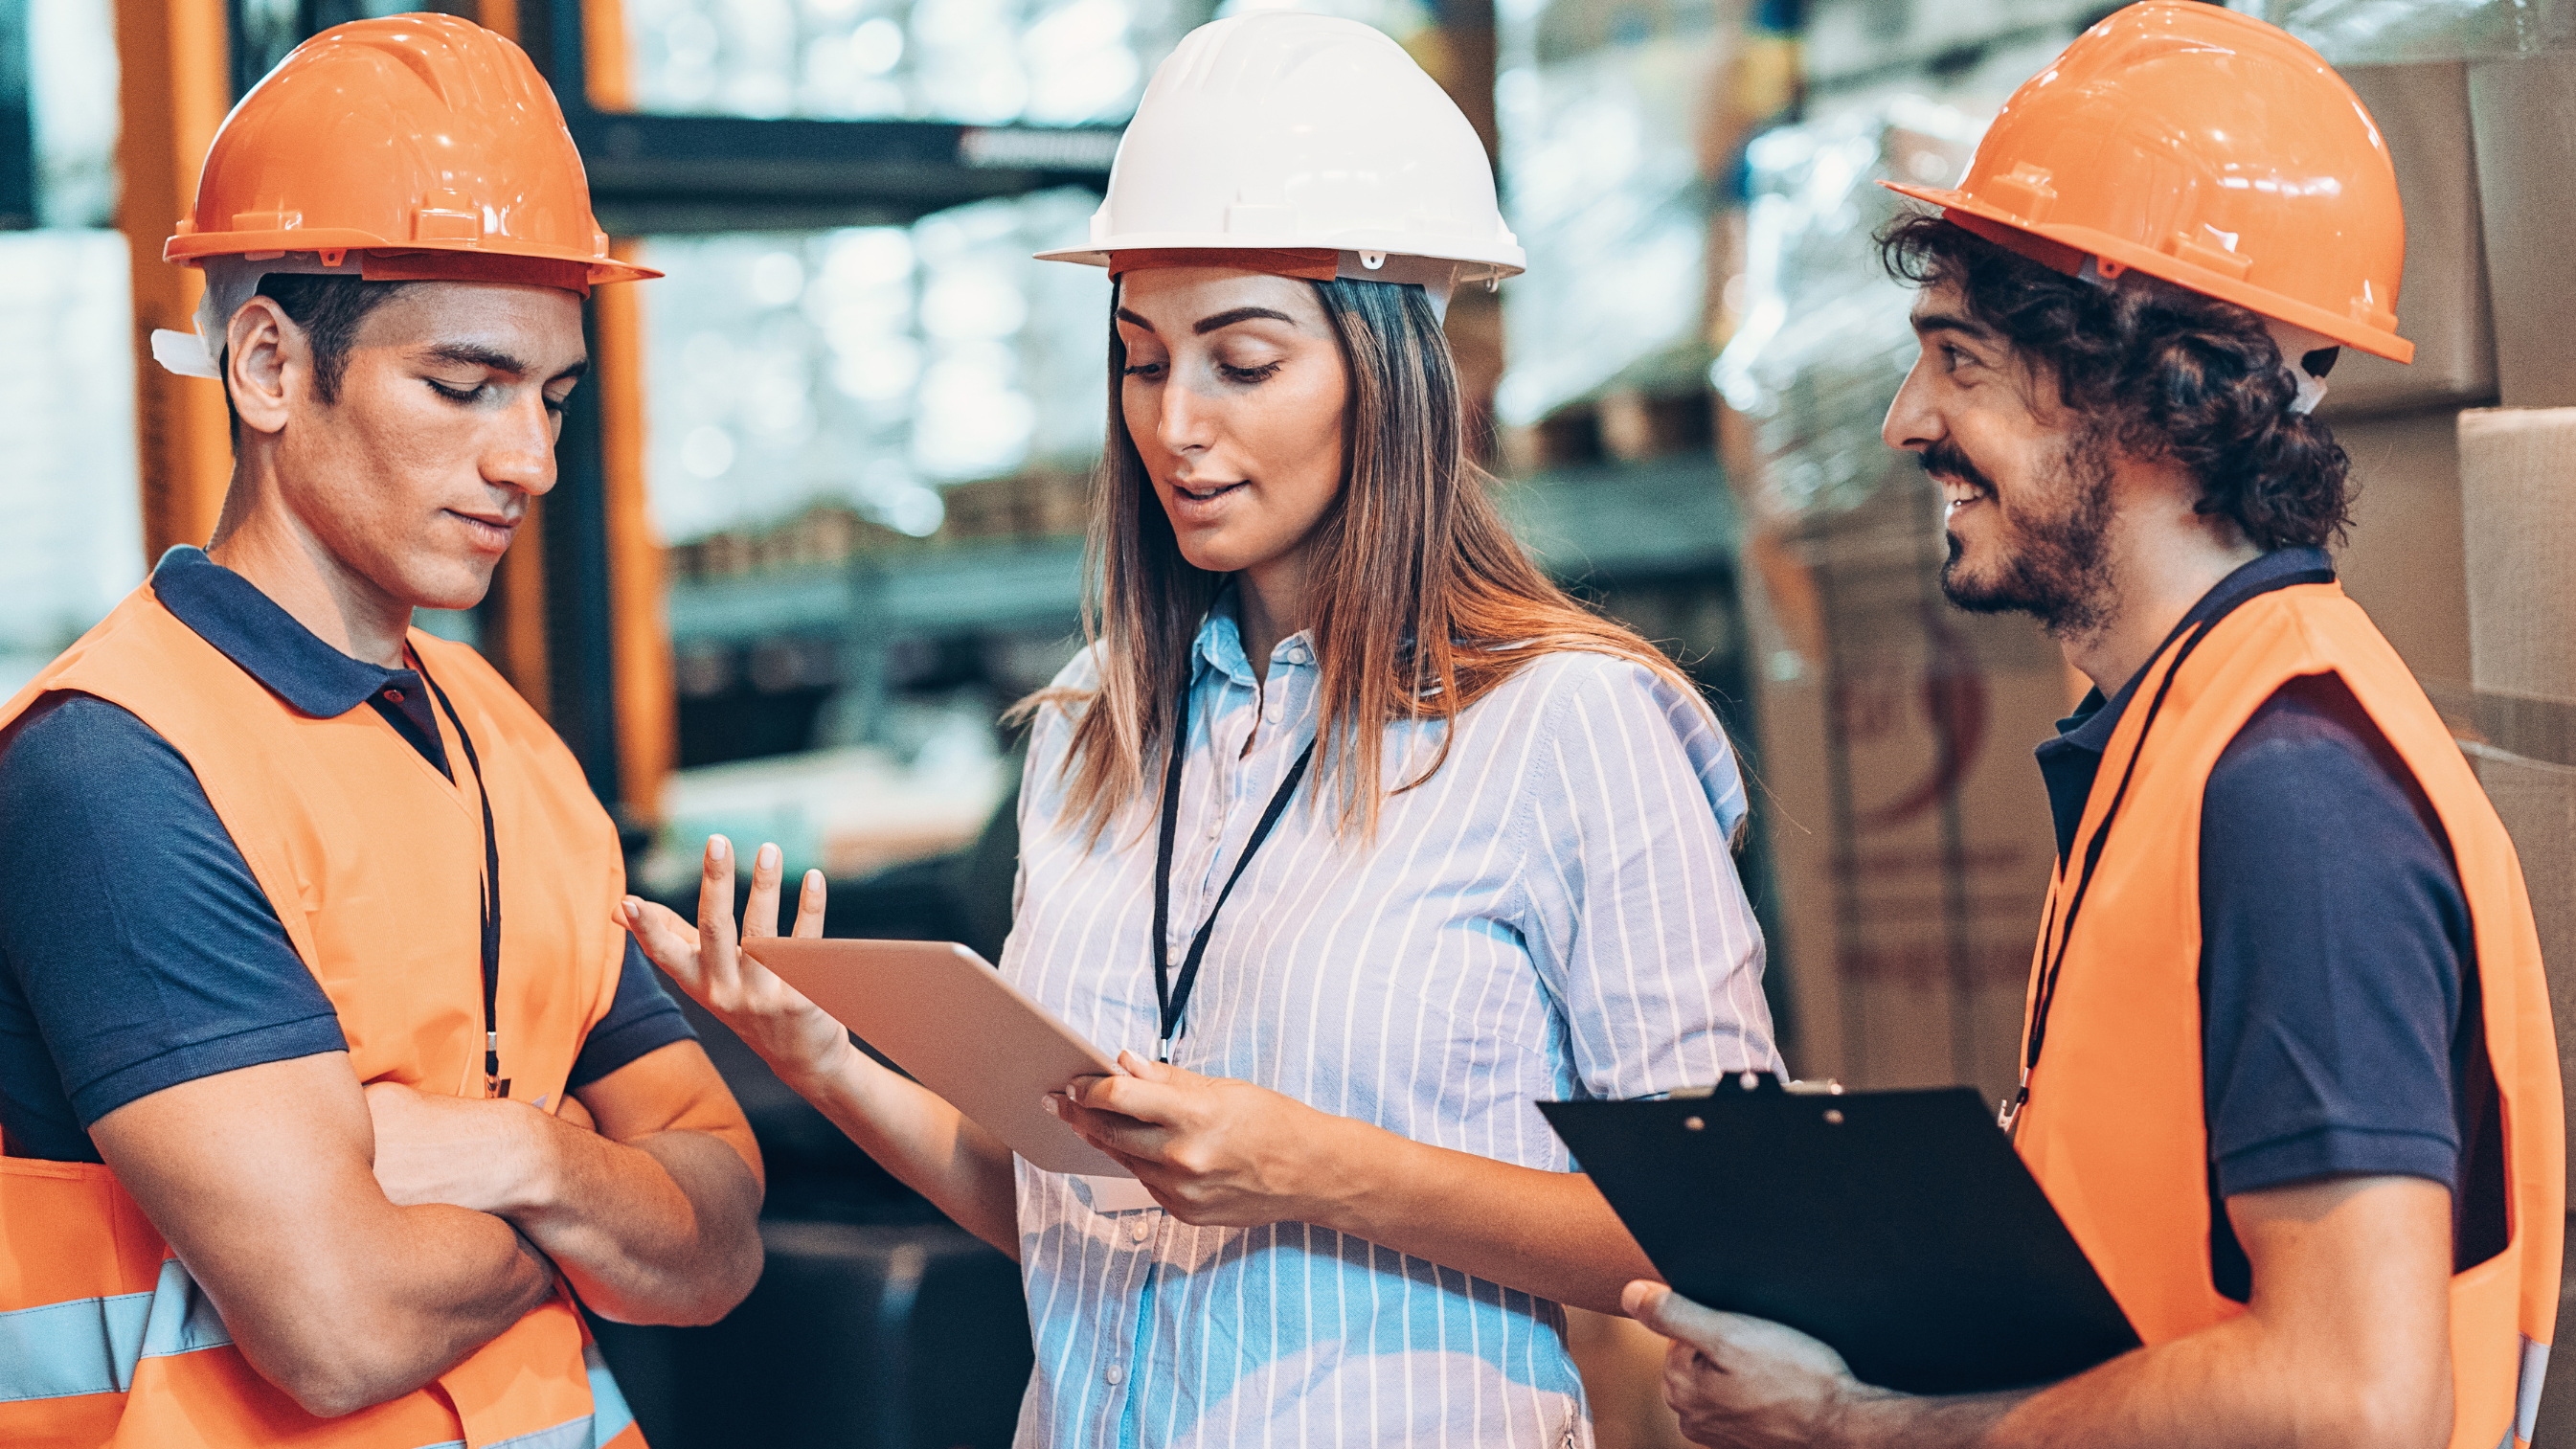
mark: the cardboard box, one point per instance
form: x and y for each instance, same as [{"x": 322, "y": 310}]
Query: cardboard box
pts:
[
  {"x": 2405, "y": 561},
  {"x": 2518, "y": 506},
  {"x": 2423, "y": 111},
  {"x": 2526, "y": 169},
  {"x": 1909, "y": 826}
]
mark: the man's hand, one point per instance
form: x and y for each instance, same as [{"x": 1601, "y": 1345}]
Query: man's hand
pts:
[
  {"x": 487, "y": 1154},
  {"x": 652, "y": 1213},
  {"x": 260, "y": 1179},
  {"x": 1743, "y": 1383},
  {"x": 1212, "y": 1150},
  {"x": 2345, "y": 1345}
]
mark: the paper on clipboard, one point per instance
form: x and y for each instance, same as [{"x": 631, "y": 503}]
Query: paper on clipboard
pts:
[{"x": 937, "y": 1010}]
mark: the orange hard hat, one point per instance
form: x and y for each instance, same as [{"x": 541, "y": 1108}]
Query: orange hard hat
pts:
[
  {"x": 2206, "y": 148},
  {"x": 425, "y": 143}
]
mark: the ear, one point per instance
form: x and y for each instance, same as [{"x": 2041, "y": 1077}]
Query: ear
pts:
[{"x": 268, "y": 364}]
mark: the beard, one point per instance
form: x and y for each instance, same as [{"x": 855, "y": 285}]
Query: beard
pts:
[{"x": 2051, "y": 566}]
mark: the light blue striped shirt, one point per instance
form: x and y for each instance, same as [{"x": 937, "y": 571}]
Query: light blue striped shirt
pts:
[{"x": 1556, "y": 914}]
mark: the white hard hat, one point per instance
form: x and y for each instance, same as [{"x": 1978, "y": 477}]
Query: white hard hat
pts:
[{"x": 1281, "y": 132}]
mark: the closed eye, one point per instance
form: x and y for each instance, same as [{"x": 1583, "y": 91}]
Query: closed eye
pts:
[
  {"x": 458, "y": 395},
  {"x": 1263, "y": 373}
]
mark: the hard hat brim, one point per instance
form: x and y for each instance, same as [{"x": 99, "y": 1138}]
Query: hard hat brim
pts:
[
  {"x": 193, "y": 248},
  {"x": 2078, "y": 242},
  {"x": 1499, "y": 262}
]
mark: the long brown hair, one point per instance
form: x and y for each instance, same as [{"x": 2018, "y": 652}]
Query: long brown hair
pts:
[{"x": 1419, "y": 600}]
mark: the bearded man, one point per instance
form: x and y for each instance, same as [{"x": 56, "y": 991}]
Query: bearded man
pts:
[{"x": 2288, "y": 1072}]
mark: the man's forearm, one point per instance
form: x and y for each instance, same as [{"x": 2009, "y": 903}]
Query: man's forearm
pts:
[
  {"x": 2214, "y": 1389},
  {"x": 440, "y": 1283},
  {"x": 662, "y": 1229}
]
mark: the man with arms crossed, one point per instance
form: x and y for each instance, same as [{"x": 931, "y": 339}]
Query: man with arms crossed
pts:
[
  {"x": 2289, "y": 1074},
  {"x": 322, "y": 1058}
]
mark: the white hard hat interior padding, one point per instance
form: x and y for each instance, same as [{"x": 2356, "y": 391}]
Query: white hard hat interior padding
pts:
[
  {"x": 1282, "y": 130},
  {"x": 230, "y": 282}
]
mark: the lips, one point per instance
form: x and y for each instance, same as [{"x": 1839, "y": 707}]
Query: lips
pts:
[
  {"x": 1205, "y": 493},
  {"x": 492, "y": 531}
]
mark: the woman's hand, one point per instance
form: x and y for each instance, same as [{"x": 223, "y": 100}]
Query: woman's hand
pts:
[
  {"x": 796, "y": 1037},
  {"x": 1214, "y": 1151}
]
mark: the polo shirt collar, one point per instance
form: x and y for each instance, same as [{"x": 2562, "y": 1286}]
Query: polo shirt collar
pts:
[
  {"x": 2069, "y": 761},
  {"x": 229, "y": 612},
  {"x": 2091, "y": 725}
]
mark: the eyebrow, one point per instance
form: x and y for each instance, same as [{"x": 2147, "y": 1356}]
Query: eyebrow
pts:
[
  {"x": 1928, "y": 323},
  {"x": 1206, "y": 325},
  {"x": 466, "y": 354}
]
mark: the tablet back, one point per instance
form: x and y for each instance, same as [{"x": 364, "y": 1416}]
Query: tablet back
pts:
[
  {"x": 1898, "y": 1227},
  {"x": 938, "y": 1011}
]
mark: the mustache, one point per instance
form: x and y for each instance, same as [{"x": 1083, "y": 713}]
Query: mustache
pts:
[{"x": 1945, "y": 460}]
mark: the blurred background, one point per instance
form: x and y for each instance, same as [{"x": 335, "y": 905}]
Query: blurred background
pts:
[{"x": 821, "y": 506}]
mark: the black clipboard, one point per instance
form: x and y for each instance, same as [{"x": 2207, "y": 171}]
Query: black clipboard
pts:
[{"x": 1898, "y": 1227}]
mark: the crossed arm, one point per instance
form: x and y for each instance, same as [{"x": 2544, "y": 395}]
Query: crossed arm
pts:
[
  {"x": 360, "y": 1241},
  {"x": 2344, "y": 1343}
]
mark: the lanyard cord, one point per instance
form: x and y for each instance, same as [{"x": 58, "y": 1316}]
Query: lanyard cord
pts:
[
  {"x": 2063, "y": 934},
  {"x": 494, "y": 1084},
  {"x": 1174, "y": 1000}
]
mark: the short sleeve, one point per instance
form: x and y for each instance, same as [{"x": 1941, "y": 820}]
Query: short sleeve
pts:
[
  {"x": 140, "y": 951},
  {"x": 642, "y": 1018},
  {"x": 1636, "y": 919},
  {"x": 2333, "y": 932}
]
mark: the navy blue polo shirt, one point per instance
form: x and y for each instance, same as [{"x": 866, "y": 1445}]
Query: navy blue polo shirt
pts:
[
  {"x": 2333, "y": 929},
  {"x": 137, "y": 950}
]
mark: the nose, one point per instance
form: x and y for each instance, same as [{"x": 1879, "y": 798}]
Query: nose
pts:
[
  {"x": 1913, "y": 423},
  {"x": 520, "y": 450},
  {"x": 1188, "y": 422}
]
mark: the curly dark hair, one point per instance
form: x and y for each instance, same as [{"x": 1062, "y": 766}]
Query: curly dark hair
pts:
[{"x": 2160, "y": 372}]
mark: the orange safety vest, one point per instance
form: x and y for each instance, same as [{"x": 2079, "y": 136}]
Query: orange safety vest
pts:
[
  {"x": 2113, "y": 1126},
  {"x": 104, "y": 1338}
]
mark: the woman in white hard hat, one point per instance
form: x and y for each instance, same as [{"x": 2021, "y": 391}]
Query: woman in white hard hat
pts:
[{"x": 1508, "y": 877}]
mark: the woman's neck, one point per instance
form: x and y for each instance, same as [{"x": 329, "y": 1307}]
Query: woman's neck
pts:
[{"x": 1270, "y": 605}]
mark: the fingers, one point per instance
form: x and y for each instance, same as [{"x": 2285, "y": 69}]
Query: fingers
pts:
[
  {"x": 809, "y": 906},
  {"x": 715, "y": 908},
  {"x": 760, "y": 912},
  {"x": 1145, "y": 1099},
  {"x": 668, "y": 941},
  {"x": 1676, "y": 1317},
  {"x": 1118, "y": 1135}
]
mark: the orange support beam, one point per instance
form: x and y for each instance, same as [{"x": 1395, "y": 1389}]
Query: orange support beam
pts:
[
  {"x": 648, "y": 723},
  {"x": 173, "y": 91}
]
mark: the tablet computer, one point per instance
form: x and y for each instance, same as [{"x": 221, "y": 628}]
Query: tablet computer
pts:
[
  {"x": 1898, "y": 1227},
  {"x": 940, "y": 1012}
]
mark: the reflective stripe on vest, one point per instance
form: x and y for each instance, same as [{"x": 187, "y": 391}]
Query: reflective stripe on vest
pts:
[
  {"x": 91, "y": 1345},
  {"x": 2115, "y": 1128},
  {"x": 105, "y": 1340}
]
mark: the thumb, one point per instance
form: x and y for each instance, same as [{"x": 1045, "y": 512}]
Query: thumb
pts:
[{"x": 1673, "y": 1316}]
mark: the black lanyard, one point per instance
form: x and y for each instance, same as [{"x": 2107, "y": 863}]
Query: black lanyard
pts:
[
  {"x": 2192, "y": 632},
  {"x": 1174, "y": 1001},
  {"x": 494, "y": 1084}
]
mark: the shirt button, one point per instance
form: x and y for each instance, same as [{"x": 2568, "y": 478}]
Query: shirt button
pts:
[
  {"x": 1140, "y": 1229},
  {"x": 394, "y": 694},
  {"x": 1216, "y": 827},
  {"x": 1116, "y": 1374}
]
